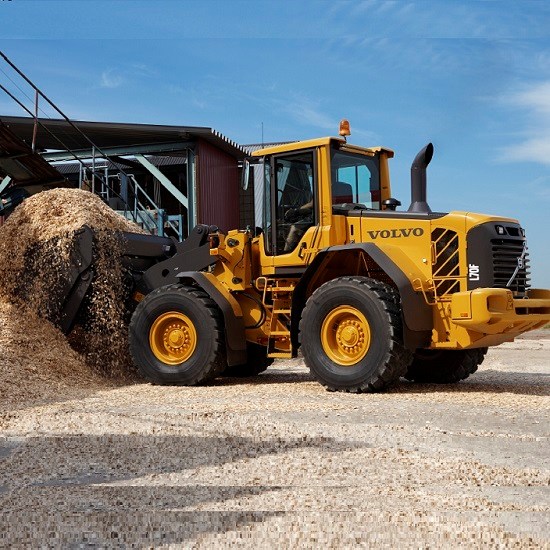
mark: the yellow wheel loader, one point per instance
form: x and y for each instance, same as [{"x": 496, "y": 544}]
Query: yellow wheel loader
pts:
[{"x": 369, "y": 293}]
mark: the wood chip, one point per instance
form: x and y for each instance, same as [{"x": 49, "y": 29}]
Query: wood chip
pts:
[{"x": 35, "y": 244}]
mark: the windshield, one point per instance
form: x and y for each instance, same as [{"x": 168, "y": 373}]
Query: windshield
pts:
[{"x": 355, "y": 179}]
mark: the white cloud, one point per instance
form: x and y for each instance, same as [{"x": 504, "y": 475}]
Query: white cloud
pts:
[
  {"x": 306, "y": 113},
  {"x": 111, "y": 79},
  {"x": 363, "y": 7},
  {"x": 539, "y": 187},
  {"x": 536, "y": 98},
  {"x": 309, "y": 112},
  {"x": 116, "y": 77},
  {"x": 534, "y": 150},
  {"x": 175, "y": 89},
  {"x": 140, "y": 69},
  {"x": 200, "y": 104},
  {"x": 534, "y": 102}
]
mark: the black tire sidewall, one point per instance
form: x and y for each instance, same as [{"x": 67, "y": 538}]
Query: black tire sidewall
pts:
[
  {"x": 364, "y": 300},
  {"x": 154, "y": 305}
]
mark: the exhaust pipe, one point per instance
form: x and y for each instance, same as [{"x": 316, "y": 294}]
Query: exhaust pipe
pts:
[{"x": 418, "y": 180}]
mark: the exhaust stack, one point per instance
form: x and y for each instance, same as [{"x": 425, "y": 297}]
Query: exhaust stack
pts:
[{"x": 418, "y": 180}]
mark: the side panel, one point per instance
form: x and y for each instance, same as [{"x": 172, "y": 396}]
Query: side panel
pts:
[{"x": 218, "y": 187}]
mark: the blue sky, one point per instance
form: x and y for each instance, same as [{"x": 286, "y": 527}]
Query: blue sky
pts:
[{"x": 472, "y": 76}]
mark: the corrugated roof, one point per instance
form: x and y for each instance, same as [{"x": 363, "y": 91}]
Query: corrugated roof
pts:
[
  {"x": 113, "y": 134},
  {"x": 158, "y": 161},
  {"x": 250, "y": 148}
]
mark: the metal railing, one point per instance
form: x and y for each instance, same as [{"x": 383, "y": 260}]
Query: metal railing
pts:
[{"x": 147, "y": 213}]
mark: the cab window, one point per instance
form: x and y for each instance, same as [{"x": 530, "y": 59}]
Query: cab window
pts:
[{"x": 355, "y": 179}]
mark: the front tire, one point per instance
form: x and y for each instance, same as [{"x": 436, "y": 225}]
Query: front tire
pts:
[
  {"x": 444, "y": 366},
  {"x": 352, "y": 337},
  {"x": 176, "y": 336}
]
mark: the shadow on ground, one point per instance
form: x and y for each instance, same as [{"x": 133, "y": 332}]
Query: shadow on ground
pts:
[
  {"x": 487, "y": 381},
  {"x": 82, "y": 489}
]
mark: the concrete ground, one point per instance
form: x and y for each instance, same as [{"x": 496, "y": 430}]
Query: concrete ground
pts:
[{"x": 278, "y": 461}]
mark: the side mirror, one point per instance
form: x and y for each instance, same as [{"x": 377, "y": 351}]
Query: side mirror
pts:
[
  {"x": 391, "y": 203},
  {"x": 245, "y": 174}
]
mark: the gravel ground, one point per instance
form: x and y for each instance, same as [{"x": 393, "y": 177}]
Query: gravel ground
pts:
[{"x": 278, "y": 461}]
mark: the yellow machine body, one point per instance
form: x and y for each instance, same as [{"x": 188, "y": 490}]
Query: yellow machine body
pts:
[{"x": 429, "y": 253}]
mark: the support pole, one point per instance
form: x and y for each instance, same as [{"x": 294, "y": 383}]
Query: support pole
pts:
[
  {"x": 93, "y": 169},
  {"x": 165, "y": 182},
  {"x": 4, "y": 184},
  {"x": 191, "y": 192},
  {"x": 35, "y": 129}
]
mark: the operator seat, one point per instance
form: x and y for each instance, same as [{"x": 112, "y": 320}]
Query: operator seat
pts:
[{"x": 342, "y": 193}]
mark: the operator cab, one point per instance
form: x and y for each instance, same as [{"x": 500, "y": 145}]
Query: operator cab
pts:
[{"x": 292, "y": 187}]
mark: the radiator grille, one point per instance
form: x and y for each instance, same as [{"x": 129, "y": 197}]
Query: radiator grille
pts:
[
  {"x": 497, "y": 255},
  {"x": 445, "y": 266},
  {"x": 505, "y": 262}
]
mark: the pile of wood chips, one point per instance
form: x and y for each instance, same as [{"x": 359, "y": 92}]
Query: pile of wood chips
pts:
[
  {"x": 35, "y": 243},
  {"x": 37, "y": 363}
]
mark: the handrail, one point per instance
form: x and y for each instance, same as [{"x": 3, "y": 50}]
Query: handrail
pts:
[
  {"x": 144, "y": 210},
  {"x": 105, "y": 183}
]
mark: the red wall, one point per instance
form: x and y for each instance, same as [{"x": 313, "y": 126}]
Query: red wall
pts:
[{"x": 217, "y": 187}]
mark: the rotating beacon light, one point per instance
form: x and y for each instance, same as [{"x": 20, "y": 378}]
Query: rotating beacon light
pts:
[{"x": 344, "y": 129}]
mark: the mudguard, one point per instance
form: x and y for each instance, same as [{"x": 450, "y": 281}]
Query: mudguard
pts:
[
  {"x": 417, "y": 314},
  {"x": 234, "y": 325}
]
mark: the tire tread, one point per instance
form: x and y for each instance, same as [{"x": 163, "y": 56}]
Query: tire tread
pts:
[
  {"x": 215, "y": 364},
  {"x": 397, "y": 358}
]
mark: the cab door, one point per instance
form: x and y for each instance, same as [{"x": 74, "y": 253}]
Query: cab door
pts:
[{"x": 291, "y": 218}]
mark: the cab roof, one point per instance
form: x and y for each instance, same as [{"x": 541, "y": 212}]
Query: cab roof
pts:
[{"x": 297, "y": 145}]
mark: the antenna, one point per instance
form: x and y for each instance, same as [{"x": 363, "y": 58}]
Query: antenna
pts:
[{"x": 262, "y": 134}]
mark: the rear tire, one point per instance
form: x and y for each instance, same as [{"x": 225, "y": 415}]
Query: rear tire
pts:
[
  {"x": 352, "y": 337},
  {"x": 176, "y": 336},
  {"x": 444, "y": 366},
  {"x": 257, "y": 362}
]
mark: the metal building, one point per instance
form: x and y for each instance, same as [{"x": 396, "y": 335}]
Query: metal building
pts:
[{"x": 167, "y": 178}]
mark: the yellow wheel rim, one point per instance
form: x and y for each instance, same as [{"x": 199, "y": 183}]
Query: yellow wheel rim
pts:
[
  {"x": 173, "y": 338},
  {"x": 345, "y": 335}
]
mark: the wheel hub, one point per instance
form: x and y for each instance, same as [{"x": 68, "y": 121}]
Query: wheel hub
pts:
[
  {"x": 349, "y": 333},
  {"x": 176, "y": 336},
  {"x": 173, "y": 338},
  {"x": 345, "y": 335}
]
